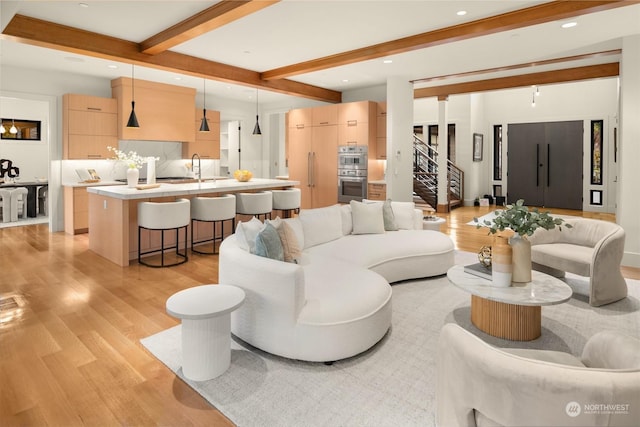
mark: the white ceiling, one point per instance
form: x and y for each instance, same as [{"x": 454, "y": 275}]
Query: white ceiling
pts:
[{"x": 297, "y": 30}]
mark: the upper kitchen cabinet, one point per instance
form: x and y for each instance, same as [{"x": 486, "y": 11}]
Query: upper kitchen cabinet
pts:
[
  {"x": 300, "y": 117},
  {"x": 165, "y": 112},
  {"x": 357, "y": 125},
  {"x": 206, "y": 144},
  {"x": 325, "y": 115},
  {"x": 90, "y": 125}
]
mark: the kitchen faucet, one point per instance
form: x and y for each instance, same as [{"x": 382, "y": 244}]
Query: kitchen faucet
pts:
[{"x": 199, "y": 166}]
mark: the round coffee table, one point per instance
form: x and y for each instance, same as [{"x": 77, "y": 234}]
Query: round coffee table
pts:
[
  {"x": 206, "y": 328},
  {"x": 513, "y": 313}
]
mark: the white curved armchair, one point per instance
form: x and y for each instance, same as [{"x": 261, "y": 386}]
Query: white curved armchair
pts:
[
  {"x": 479, "y": 384},
  {"x": 592, "y": 248}
]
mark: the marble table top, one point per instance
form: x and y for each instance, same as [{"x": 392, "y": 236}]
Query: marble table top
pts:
[{"x": 542, "y": 290}]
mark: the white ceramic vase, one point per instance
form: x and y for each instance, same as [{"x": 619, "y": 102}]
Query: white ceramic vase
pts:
[
  {"x": 132, "y": 177},
  {"x": 521, "y": 249},
  {"x": 501, "y": 262}
]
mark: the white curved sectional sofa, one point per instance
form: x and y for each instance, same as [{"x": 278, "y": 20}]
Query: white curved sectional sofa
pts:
[{"x": 335, "y": 301}]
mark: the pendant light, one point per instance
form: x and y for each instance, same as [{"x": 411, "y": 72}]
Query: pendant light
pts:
[
  {"x": 204, "y": 126},
  {"x": 2, "y": 128},
  {"x": 13, "y": 129},
  {"x": 256, "y": 129},
  {"x": 133, "y": 120}
]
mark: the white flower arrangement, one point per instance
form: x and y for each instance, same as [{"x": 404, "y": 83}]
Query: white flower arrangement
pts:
[{"x": 132, "y": 159}]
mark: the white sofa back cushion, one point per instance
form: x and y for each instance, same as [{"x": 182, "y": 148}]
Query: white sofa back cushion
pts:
[
  {"x": 247, "y": 232},
  {"x": 347, "y": 221},
  {"x": 367, "y": 218},
  {"x": 321, "y": 225}
]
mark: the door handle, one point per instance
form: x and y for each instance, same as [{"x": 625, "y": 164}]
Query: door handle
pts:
[
  {"x": 548, "y": 164},
  {"x": 309, "y": 178},
  {"x": 538, "y": 165},
  {"x": 313, "y": 167}
]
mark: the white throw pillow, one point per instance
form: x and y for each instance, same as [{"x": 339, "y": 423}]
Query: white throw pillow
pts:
[
  {"x": 321, "y": 225},
  {"x": 246, "y": 233},
  {"x": 347, "y": 222},
  {"x": 403, "y": 214},
  {"x": 367, "y": 218}
]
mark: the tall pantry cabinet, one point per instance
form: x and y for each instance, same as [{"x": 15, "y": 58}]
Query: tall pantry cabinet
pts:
[{"x": 312, "y": 136}]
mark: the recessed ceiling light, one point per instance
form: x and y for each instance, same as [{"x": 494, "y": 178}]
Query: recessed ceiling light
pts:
[
  {"x": 387, "y": 61},
  {"x": 177, "y": 78},
  {"x": 345, "y": 80},
  {"x": 461, "y": 12},
  {"x": 112, "y": 66},
  {"x": 569, "y": 24},
  {"x": 73, "y": 59},
  {"x": 83, "y": 5}
]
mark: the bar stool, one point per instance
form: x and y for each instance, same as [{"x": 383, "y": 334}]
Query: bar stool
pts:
[
  {"x": 256, "y": 204},
  {"x": 5, "y": 205},
  {"x": 287, "y": 201},
  {"x": 163, "y": 217},
  {"x": 214, "y": 210},
  {"x": 18, "y": 200}
]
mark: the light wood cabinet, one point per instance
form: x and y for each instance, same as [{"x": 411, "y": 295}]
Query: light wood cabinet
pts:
[
  {"x": 381, "y": 130},
  {"x": 376, "y": 191},
  {"x": 313, "y": 160},
  {"x": 165, "y": 112},
  {"x": 299, "y": 117},
  {"x": 324, "y": 116},
  {"x": 206, "y": 144},
  {"x": 89, "y": 126},
  {"x": 76, "y": 210},
  {"x": 357, "y": 125}
]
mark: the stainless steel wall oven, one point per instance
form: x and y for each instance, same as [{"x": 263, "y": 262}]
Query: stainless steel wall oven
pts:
[{"x": 352, "y": 173}]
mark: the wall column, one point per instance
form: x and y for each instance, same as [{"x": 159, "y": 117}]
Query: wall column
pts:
[
  {"x": 629, "y": 150},
  {"x": 443, "y": 154},
  {"x": 399, "y": 176}
]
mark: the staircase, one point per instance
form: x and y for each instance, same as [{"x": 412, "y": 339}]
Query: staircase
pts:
[{"x": 425, "y": 176}]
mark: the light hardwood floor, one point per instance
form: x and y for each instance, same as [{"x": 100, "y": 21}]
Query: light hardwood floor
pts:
[{"x": 70, "y": 355}]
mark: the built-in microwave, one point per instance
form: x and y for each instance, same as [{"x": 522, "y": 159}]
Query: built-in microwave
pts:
[{"x": 352, "y": 157}]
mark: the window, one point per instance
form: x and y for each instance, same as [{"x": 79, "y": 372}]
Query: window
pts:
[{"x": 497, "y": 152}]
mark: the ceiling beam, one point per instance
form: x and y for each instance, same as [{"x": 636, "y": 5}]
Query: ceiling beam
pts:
[
  {"x": 546, "y": 12},
  {"x": 24, "y": 29},
  {"x": 520, "y": 66},
  {"x": 541, "y": 78},
  {"x": 216, "y": 16}
]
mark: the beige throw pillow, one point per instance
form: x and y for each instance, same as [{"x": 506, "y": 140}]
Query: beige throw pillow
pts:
[
  {"x": 367, "y": 218},
  {"x": 290, "y": 245}
]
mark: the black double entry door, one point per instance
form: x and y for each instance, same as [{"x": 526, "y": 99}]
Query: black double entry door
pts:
[{"x": 545, "y": 164}]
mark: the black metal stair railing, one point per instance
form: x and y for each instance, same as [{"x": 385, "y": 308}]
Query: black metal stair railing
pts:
[{"x": 425, "y": 176}]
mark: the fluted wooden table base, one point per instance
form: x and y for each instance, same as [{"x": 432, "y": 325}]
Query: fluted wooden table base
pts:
[{"x": 509, "y": 321}]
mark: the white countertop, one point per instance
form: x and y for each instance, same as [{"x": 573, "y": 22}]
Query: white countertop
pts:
[
  {"x": 377, "y": 181},
  {"x": 168, "y": 190}
]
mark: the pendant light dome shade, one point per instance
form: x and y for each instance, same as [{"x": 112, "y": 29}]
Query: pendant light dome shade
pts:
[
  {"x": 14, "y": 129},
  {"x": 2, "y": 128},
  {"x": 133, "y": 120},
  {"x": 256, "y": 128},
  {"x": 204, "y": 125}
]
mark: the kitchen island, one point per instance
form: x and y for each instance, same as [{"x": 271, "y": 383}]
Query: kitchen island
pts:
[{"x": 113, "y": 211}]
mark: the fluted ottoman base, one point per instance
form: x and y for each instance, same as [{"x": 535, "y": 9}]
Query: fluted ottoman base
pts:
[{"x": 206, "y": 340}]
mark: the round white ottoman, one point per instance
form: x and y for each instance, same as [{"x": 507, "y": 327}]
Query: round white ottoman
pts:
[{"x": 206, "y": 337}]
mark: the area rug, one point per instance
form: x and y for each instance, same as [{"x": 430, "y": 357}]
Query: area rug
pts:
[{"x": 392, "y": 384}]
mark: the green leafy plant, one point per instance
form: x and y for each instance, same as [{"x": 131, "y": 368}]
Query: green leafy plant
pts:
[{"x": 521, "y": 220}]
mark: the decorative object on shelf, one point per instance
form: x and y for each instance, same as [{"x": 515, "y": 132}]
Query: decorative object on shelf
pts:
[
  {"x": 242, "y": 175},
  {"x": 151, "y": 170},
  {"x": 484, "y": 256},
  {"x": 523, "y": 222},
  {"x": 204, "y": 125},
  {"x": 501, "y": 262},
  {"x": 133, "y": 120},
  {"x": 256, "y": 129}
]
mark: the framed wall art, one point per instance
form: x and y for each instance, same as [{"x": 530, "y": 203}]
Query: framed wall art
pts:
[{"x": 477, "y": 147}]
